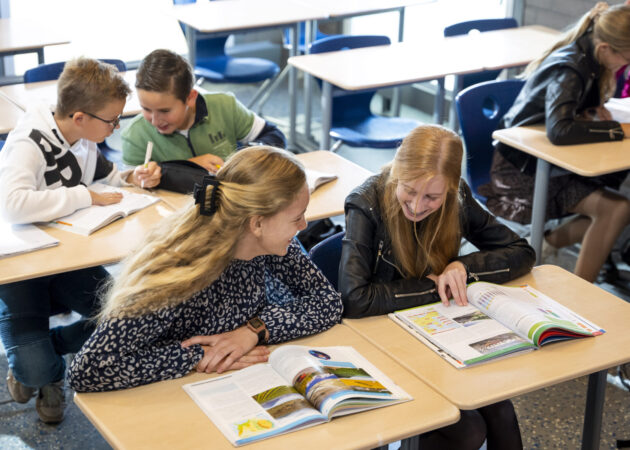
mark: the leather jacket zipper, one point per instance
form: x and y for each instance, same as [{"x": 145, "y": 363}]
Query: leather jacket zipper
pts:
[
  {"x": 611, "y": 132},
  {"x": 491, "y": 272},
  {"x": 379, "y": 255},
  {"x": 413, "y": 294}
]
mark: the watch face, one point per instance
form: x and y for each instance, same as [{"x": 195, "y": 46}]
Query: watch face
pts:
[{"x": 256, "y": 323}]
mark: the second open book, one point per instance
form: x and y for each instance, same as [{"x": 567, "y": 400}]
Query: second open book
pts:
[
  {"x": 498, "y": 321},
  {"x": 299, "y": 387}
]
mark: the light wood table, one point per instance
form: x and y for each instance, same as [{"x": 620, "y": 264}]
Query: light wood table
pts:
[
  {"x": 589, "y": 160},
  {"x": 162, "y": 415},
  {"x": 410, "y": 62},
  {"x": 24, "y": 94},
  {"x": 225, "y": 17},
  {"x": 113, "y": 242},
  {"x": 485, "y": 384},
  {"x": 9, "y": 115},
  {"x": 24, "y": 36}
]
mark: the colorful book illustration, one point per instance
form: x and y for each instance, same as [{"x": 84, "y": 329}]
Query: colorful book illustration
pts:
[
  {"x": 298, "y": 387},
  {"x": 498, "y": 321},
  {"x": 87, "y": 220}
]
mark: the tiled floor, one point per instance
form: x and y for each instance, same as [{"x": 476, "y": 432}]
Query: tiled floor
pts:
[{"x": 549, "y": 418}]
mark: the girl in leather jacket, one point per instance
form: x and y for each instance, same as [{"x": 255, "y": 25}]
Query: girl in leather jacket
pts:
[
  {"x": 403, "y": 233},
  {"x": 566, "y": 89}
]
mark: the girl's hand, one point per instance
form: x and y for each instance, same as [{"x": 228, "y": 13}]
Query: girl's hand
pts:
[
  {"x": 452, "y": 282},
  {"x": 602, "y": 113},
  {"x": 210, "y": 162},
  {"x": 146, "y": 177},
  {"x": 105, "y": 198},
  {"x": 222, "y": 351}
]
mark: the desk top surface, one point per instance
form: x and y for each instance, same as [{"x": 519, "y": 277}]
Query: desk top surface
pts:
[
  {"x": 409, "y": 62},
  {"x": 113, "y": 242},
  {"x": 588, "y": 160},
  {"x": 19, "y": 34},
  {"x": 24, "y": 94},
  {"x": 162, "y": 415},
  {"x": 10, "y": 113},
  {"x": 488, "y": 383},
  {"x": 223, "y": 16}
]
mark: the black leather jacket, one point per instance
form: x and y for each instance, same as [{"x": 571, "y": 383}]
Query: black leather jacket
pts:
[
  {"x": 369, "y": 281},
  {"x": 564, "y": 86}
]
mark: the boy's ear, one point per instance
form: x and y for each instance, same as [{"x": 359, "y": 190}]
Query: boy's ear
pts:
[
  {"x": 78, "y": 118},
  {"x": 255, "y": 225},
  {"x": 192, "y": 98}
]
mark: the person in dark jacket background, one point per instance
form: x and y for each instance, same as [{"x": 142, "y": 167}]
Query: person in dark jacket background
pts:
[
  {"x": 566, "y": 89},
  {"x": 403, "y": 233}
]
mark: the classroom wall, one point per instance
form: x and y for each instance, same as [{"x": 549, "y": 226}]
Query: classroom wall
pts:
[{"x": 558, "y": 14}]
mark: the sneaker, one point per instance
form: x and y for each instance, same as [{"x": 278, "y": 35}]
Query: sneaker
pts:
[
  {"x": 51, "y": 402},
  {"x": 17, "y": 390}
]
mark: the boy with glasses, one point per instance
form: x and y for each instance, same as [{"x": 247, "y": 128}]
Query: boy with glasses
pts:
[{"x": 46, "y": 166}]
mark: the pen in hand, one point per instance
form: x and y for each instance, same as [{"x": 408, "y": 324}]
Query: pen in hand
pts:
[{"x": 147, "y": 158}]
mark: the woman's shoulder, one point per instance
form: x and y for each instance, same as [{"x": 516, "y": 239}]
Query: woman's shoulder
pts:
[{"x": 366, "y": 195}]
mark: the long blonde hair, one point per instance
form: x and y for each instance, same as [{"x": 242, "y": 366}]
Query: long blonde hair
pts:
[
  {"x": 611, "y": 25},
  {"x": 187, "y": 251},
  {"x": 428, "y": 151}
]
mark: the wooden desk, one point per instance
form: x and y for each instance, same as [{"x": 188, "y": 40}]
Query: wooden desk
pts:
[
  {"x": 162, "y": 415},
  {"x": 23, "y": 36},
  {"x": 24, "y": 94},
  {"x": 9, "y": 115},
  {"x": 499, "y": 380},
  {"x": 113, "y": 242},
  {"x": 410, "y": 62},
  {"x": 222, "y": 18},
  {"x": 588, "y": 160}
]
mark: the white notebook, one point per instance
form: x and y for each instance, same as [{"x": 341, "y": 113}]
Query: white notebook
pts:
[
  {"x": 315, "y": 178},
  {"x": 16, "y": 239},
  {"x": 87, "y": 220}
]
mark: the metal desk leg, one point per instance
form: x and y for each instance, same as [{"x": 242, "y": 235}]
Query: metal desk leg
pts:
[
  {"x": 40, "y": 56},
  {"x": 326, "y": 114},
  {"x": 438, "y": 103},
  {"x": 594, "y": 408},
  {"x": 539, "y": 206},
  {"x": 453, "y": 120},
  {"x": 292, "y": 88},
  {"x": 309, "y": 34},
  {"x": 191, "y": 41},
  {"x": 397, "y": 90}
]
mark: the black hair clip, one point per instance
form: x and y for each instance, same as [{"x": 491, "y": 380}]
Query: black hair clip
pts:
[{"x": 199, "y": 194}]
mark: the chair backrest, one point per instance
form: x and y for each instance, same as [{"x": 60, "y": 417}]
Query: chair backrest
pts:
[
  {"x": 47, "y": 72},
  {"x": 346, "y": 104},
  {"x": 326, "y": 255},
  {"x": 479, "y": 25},
  {"x": 480, "y": 108}
]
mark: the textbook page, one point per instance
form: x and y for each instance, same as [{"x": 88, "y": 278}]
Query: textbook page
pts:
[
  {"x": 87, "y": 220},
  {"x": 16, "y": 239},
  {"x": 336, "y": 380},
  {"x": 315, "y": 178},
  {"x": 619, "y": 109},
  {"x": 529, "y": 312},
  {"x": 252, "y": 404},
  {"x": 463, "y": 332}
]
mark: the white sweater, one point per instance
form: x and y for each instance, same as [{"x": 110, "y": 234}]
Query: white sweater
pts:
[{"x": 42, "y": 177}]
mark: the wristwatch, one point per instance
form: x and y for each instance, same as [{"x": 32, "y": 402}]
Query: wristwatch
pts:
[{"x": 258, "y": 327}]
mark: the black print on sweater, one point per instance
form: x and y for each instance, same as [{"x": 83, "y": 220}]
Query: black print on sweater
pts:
[{"x": 57, "y": 167}]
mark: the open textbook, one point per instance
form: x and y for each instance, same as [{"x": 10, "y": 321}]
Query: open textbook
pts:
[
  {"x": 498, "y": 321},
  {"x": 16, "y": 239},
  {"x": 297, "y": 388},
  {"x": 315, "y": 178},
  {"x": 87, "y": 220}
]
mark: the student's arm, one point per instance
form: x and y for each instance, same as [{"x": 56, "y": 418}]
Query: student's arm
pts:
[
  {"x": 21, "y": 201},
  {"x": 502, "y": 254},
  {"x": 124, "y": 353},
  {"x": 561, "y": 103},
  {"x": 251, "y": 129},
  {"x": 270, "y": 135},
  {"x": 362, "y": 295},
  {"x": 300, "y": 300}
]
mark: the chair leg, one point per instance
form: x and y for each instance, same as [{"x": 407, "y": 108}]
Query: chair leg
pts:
[
  {"x": 336, "y": 146},
  {"x": 274, "y": 85}
]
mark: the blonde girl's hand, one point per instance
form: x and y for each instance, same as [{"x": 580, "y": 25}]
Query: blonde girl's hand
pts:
[
  {"x": 105, "y": 198},
  {"x": 603, "y": 113},
  {"x": 221, "y": 351},
  {"x": 258, "y": 354},
  {"x": 452, "y": 282}
]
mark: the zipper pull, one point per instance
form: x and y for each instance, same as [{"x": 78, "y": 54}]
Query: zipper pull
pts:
[{"x": 378, "y": 256}]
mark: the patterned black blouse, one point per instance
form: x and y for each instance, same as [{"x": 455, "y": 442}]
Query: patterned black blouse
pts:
[{"x": 288, "y": 293}]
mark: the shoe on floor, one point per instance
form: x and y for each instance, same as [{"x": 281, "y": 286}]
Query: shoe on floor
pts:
[
  {"x": 51, "y": 402},
  {"x": 17, "y": 390}
]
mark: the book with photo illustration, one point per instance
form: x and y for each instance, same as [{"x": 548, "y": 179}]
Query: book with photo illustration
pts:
[
  {"x": 498, "y": 321},
  {"x": 315, "y": 178},
  {"x": 85, "y": 221},
  {"x": 299, "y": 387}
]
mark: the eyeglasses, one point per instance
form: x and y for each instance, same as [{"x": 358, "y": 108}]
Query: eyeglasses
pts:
[{"x": 114, "y": 122}]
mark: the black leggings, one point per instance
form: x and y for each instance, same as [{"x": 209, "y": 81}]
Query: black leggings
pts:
[{"x": 497, "y": 423}]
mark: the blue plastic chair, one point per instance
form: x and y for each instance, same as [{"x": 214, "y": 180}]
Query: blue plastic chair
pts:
[
  {"x": 480, "y": 108},
  {"x": 326, "y": 256},
  {"x": 353, "y": 123},
  {"x": 46, "y": 72},
  {"x": 215, "y": 65}
]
